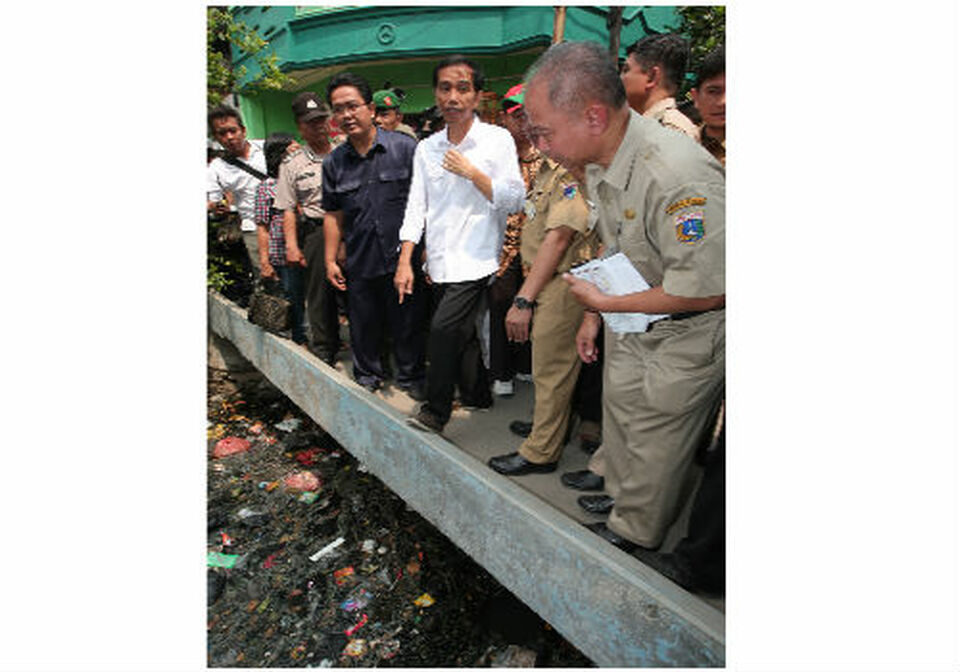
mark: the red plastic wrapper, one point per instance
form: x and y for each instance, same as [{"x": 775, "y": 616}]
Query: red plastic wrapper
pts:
[
  {"x": 353, "y": 628},
  {"x": 307, "y": 458},
  {"x": 341, "y": 576},
  {"x": 302, "y": 481},
  {"x": 230, "y": 445}
]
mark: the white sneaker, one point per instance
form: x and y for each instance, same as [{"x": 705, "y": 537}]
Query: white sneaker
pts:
[
  {"x": 503, "y": 388},
  {"x": 525, "y": 377}
]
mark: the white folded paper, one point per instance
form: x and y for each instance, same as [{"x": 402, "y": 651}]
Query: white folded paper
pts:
[{"x": 617, "y": 276}]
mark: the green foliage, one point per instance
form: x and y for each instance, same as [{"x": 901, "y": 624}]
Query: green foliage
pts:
[
  {"x": 221, "y": 272},
  {"x": 706, "y": 28},
  {"x": 224, "y": 35}
]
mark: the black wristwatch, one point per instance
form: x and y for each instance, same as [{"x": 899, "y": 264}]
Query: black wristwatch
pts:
[{"x": 523, "y": 304}]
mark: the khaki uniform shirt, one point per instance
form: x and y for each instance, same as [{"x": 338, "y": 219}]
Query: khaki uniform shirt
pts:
[
  {"x": 661, "y": 203},
  {"x": 716, "y": 147},
  {"x": 666, "y": 113},
  {"x": 300, "y": 182},
  {"x": 406, "y": 130},
  {"x": 556, "y": 200}
]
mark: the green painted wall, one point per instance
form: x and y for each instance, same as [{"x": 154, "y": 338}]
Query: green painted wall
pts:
[{"x": 402, "y": 45}]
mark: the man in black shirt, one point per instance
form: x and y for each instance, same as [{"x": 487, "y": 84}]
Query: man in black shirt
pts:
[{"x": 365, "y": 186}]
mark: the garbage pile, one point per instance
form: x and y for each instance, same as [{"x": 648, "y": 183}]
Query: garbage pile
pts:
[{"x": 313, "y": 562}]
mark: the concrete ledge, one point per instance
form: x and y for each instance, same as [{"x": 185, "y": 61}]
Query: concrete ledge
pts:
[{"x": 614, "y": 609}]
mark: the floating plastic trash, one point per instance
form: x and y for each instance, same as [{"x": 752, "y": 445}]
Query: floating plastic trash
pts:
[
  {"x": 327, "y": 549},
  {"x": 224, "y": 560},
  {"x": 424, "y": 600},
  {"x": 230, "y": 445}
]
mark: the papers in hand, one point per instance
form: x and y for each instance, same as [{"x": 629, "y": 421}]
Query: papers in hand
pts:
[{"x": 616, "y": 275}]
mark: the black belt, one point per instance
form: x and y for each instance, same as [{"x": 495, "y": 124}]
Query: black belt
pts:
[
  {"x": 676, "y": 317},
  {"x": 307, "y": 226}
]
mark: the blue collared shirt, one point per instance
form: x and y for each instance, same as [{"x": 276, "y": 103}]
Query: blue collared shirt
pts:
[{"x": 371, "y": 191}]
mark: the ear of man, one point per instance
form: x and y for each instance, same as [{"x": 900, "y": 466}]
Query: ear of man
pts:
[
  {"x": 655, "y": 77},
  {"x": 597, "y": 116}
]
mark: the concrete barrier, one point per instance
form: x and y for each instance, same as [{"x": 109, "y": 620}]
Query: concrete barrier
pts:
[{"x": 616, "y": 610}]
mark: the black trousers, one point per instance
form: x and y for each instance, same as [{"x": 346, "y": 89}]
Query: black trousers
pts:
[
  {"x": 703, "y": 549},
  {"x": 588, "y": 394},
  {"x": 373, "y": 310},
  {"x": 506, "y": 359},
  {"x": 453, "y": 348},
  {"x": 321, "y": 295}
]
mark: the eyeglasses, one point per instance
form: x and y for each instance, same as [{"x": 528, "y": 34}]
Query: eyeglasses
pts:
[{"x": 350, "y": 107}]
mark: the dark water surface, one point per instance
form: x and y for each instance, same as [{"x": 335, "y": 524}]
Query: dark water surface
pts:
[{"x": 394, "y": 593}]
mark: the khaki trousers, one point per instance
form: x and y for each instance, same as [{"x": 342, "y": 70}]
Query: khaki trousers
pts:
[
  {"x": 661, "y": 390},
  {"x": 555, "y": 366}
]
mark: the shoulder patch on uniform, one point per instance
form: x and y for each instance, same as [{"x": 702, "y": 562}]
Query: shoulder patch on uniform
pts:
[
  {"x": 690, "y": 227},
  {"x": 569, "y": 190},
  {"x": 686, "y": 203}
]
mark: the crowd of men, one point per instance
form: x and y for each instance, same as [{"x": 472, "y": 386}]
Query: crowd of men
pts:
[{"x": 474, "y": 229}]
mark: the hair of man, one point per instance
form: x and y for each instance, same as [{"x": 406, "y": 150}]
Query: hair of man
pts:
[
  {"x": 275, "y": 150},
  {"x": 577, "y": 73},
  {"x": 223, "y": 112},
  {"x": 350, "y": 79},
  {"x": 459, "y": 59},
  {"x": 714, "y": 63},
  {"x": 668, "y": 51}
]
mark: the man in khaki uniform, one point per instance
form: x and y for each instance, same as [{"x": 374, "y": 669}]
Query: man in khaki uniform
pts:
[
  {"x": 652, "y": 74},
  {"x": 300, "y": 184},
  {"x": 659, "y": 199},
  {"x": 710, "y": 98},
  {"x": 555, "y": 237}
]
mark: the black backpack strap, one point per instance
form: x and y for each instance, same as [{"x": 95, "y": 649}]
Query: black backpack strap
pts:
[{"x": 234, "y": 161}]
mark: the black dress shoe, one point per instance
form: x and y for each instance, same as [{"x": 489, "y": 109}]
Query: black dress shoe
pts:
[
  {"x": 595, "y": 503},
  {"x": 582, "y": 480},
  {"x": 417, "y": 391},
  {"x": 514, "y": 464},
  {"x": 606, "y": 533},
  {"x": 589, "y": 446},
  {"x": 327, "y": 357},
  {"x": 371, "y": 386},
  {"x": 521, "y": 428}
]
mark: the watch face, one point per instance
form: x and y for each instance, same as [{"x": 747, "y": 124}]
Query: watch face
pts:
[{"x": 522, "y": 303}]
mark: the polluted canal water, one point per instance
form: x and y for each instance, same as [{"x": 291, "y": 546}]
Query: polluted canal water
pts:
[{"x": 313, "y": 562}]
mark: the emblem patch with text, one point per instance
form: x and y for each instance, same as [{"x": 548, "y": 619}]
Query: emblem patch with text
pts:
[{"x": 689, "y": 227}]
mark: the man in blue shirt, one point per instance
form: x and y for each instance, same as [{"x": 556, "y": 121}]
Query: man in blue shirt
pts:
[{"x": 365, "y": 186}]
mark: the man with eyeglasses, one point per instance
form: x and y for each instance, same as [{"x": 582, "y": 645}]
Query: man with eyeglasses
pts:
[
  {"x": 466, "y": 180},
  {"x": 365, "y": 184},
  {"x": 300, "y": 184}
]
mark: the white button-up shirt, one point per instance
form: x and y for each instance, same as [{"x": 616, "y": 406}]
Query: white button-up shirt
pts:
[
  {"x": 464, "y": 229},
  {"x": 223, "y": 177}
]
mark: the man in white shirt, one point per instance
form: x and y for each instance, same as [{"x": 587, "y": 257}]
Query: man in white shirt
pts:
[
  {"x": 236, "y": 173},
  {"x": 466, "y": 180}
]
